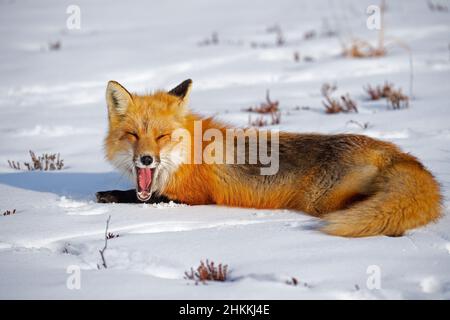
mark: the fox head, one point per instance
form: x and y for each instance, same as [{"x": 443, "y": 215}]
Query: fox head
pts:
[{"x": 139, "y": 137}]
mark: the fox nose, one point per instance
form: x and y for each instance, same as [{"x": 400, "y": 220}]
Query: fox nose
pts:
[{"x": 146, "y": 160}]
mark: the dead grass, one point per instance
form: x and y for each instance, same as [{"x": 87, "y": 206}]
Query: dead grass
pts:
[
  {"x": 268, "y": 108},
  {"x": 359, "y": 48},
  {"x": 210, "y": 41},
  {"x": 261, "y": 121},
  {"x": 279, "y": 37},
  {"x": 112, "y": 235},
  {"x": 258, "y": 122},
  {"x": 364, "y": 125},
  {"x": 54, "y": 46},
  {"x": 332, "y": 105},
  {"x": 397, "y": 100},
  {"x": 45, "y": 162},
  {"x": 207, "y": 272},
  {"x": 9, "y": 213},
  {"x": 298, "y": 58},
  {"x": 295, "y": 282},
  {"x": 437, "y": 6},
  {"x": 362, "y": 49},
  {"x": 378, "y": 92},
  {"x": 292, "y": 282},
  {"x": 310, "y": 34},
  {"x": 394, "y": 97}
]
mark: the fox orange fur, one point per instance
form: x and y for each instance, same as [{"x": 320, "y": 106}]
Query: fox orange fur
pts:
[{"x": 358, "y": 185}]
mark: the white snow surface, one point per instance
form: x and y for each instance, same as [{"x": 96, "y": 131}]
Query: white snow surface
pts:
[{"x": 53, "y": 101}]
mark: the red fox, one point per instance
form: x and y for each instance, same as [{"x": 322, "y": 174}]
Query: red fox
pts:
[{"x": 358, "y": 185}]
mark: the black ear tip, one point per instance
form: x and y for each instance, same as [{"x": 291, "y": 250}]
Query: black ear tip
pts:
[
  {"x": 182, "y": 89},
  {"x": 186, "y": 83}
]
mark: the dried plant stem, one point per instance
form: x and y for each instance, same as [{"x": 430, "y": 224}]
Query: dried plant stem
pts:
[
  {"x": 102, "y": 251},
  {"x": 381, "y": 31},
  {"x": 411, "y": 74},
  {"x": 345, "y": 104},
  {"x": 268, "y": 107},
  {"x": 403, "y": 45},
  {"x": 364, "y": 125},
  {"x": 208, "y": 272},
  {"x": 8, "y": 212},
  {"x": 45, "y": 162}
]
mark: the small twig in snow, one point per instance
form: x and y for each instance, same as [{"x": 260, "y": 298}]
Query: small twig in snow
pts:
[
  {"x": 102, "y": 251},
  {"x": 364, "y": 125}
]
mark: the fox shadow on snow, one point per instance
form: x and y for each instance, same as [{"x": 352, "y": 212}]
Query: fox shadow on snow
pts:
[
  {"x": 86, "y": 185},
  {"x": 73, "y": 184}
]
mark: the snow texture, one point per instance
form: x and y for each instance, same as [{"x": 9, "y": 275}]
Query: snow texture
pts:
[{"x": 53, "y": 101}]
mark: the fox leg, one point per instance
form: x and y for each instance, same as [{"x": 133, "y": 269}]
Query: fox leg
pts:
[{"x": 127, "y": 196}]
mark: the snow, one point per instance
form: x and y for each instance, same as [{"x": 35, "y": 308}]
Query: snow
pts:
[
  {"x": 430, "y": 285},
  {"x": 53, "y": 101}
]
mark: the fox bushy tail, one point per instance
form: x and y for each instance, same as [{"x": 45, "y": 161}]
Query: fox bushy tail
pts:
[{"x": 405, "y": 196}]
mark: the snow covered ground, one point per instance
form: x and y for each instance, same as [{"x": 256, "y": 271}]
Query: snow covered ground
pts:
[{"x": 53, "y": 101}]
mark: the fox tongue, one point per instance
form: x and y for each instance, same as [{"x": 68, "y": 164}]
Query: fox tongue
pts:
[{"x": 144, "y": 179}]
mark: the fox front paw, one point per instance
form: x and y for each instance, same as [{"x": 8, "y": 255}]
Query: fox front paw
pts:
[
  {"x": 105, "y": 197},
  {"x": 116, "y": 196},
  {"x": 127, "y": 196}
]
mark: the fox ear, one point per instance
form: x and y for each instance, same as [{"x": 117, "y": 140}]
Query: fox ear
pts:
[
  {"x": 117, "y": 98},
  {"x": 182, "y": 90}
]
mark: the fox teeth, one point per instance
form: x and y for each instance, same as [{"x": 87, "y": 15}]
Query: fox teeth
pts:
[{"x": 143, "y": 195}]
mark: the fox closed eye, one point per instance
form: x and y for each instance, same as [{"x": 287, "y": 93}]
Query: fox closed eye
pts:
[
  {"x": 162, "y": 136},
  {"x": 133, "y": 134}
]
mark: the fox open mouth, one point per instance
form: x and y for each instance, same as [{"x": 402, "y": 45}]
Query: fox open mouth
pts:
[{"x": 144, "y": 178}]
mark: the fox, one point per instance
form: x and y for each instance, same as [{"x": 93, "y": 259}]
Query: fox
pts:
[{"x": 356, "y": 185}]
